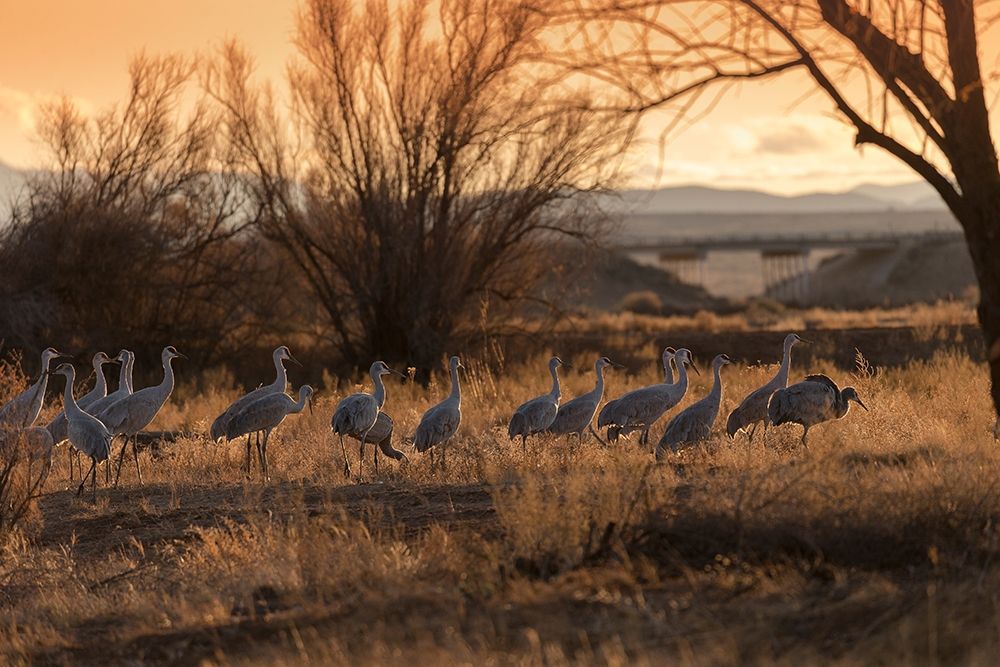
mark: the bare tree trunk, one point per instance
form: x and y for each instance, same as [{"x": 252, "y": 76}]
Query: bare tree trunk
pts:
[{"x": 982, "y": 232}]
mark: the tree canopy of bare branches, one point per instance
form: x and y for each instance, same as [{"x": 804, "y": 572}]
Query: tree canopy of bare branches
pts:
[
  {"x": 428, "y": 168},
  {"x": 134, "y": 232},
  {"x": 908, "y": 75}
]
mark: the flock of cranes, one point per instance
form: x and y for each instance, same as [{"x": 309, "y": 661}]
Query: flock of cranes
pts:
[{"x": 92, "y": 422}]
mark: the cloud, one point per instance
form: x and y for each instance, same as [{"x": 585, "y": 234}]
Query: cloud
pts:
[{"x": 792, "y": 138}]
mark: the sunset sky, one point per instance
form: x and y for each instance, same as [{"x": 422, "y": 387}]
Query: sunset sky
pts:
[{"x": 81, "y": 48}]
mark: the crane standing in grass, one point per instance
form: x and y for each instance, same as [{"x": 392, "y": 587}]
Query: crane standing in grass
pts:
[
  {"x": 59, "y": 426},
  {"x": 641, "y": 408},
  {"x": 694, "y": 423},
  {"x": 22, "y": 410},
  {"x": 134, "y": 412},
  {"x": 265, "y": 414},
  {"x": 537, "y": 415},
  {"x": 439, "y": 424},
  {"x": 753, "y": 409},
  {"x": 84, "y": 432},
  {"x": 813, "y": 401},
  {"x": 126, "y": 358},
  {"x": 281, "y": 354},
  {"x": 615, "y": 432},
  {"x": 380, "y": 435},
  {"x": 356, "y": 415},
  {"x": 575, "y": 416}
]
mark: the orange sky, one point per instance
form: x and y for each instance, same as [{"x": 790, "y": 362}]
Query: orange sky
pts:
[{"x": 80, "y": 48}]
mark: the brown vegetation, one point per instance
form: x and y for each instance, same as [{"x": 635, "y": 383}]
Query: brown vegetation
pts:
[{"x": 877, "y": 545}]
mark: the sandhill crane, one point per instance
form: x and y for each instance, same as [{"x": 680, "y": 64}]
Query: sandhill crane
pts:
[
  {"x": 85, "y": 432},
  {"x": 380, "y": 435},
  {"x": 265, "y": 414},
  {"x": 356, "y": 414},
  {"x": 22, "y": 410},
  {"x": 614, "y": 432},
  {"x": 813, "y": 401},
  {"x": 536, "y": 415},
  {"x": 58, "y": 427},
  {"x": 575, "y": 416},
  {"x": 439, "y": 424},
  {"x": 134, "y": 412},
  {"x": 280, "y": 355},
  {"x": 126, "y": 359},
  {"x": 753, "y": 410},
  {"x": 694, "y": 423},
  {"x": 641, "y": 408}
]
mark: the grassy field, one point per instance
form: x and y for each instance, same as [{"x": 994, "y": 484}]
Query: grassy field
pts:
[{"x": 878, "y": 545}]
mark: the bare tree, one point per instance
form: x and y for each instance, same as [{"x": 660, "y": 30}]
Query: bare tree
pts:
[
  {"x": 428, "y": 168},
  {"x": 136, "y": 231},
  {"x": 906, "y": 74}
]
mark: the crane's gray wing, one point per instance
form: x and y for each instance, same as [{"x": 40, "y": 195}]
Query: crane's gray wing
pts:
[
  {"x": 573, "y": 416},
  {"x": 691, "y": 425},
  {"x": 751, "y": 409},
  {"x": 608, "y": 414},
  {"x": 823, "y": 379},
  {"x": 538, "y": 413},
  {"x": 804, "y": 403},
  {"x": 438, "y": 424},
  {"x": 220, "y": 426},
  {"x": 354, "y": 415},
  {"x": 266, "y": 412}
]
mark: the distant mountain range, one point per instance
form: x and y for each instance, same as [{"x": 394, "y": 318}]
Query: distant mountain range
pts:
[{"x": 702, "y": 199}]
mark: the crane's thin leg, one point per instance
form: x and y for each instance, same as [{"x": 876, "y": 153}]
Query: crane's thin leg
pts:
[
  {"x": 376, "y": 460},
  {"x": 135, "y": 455},
  {"x": 263, "y": 455},
  {"x": 432, "y": 458},
  {"x": 93, "y": 481},
  {"x": 347, "y": 465},
  {"x": 110, "y": 461},
  {"x": 260, "y": 459},
  {"x": 599, "y": 438},
  {"x": 805, "y": 436},
  {"x": 246, "y": 459},
  {"x": 83, "y": 483},
  {"x": 753, "y": 429},
  {"x": 121, "y": 458},
  {"x": 361, "y": 456},
  {"x": 69, "y": 451}
]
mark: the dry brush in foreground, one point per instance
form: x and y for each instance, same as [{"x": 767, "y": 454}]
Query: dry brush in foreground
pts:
[{"x": 877, "y": 545}]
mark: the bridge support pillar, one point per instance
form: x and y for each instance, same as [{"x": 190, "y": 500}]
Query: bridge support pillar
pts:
[
  {"x": 787, "y": 275},
  {"x": 687, "y": 267}
]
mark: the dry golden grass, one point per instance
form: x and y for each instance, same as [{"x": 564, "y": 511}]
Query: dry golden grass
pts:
[{"x": 878, "y": 545}]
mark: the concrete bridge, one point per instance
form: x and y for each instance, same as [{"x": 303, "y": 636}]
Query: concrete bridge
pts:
[{"x": 784, "y": 256}]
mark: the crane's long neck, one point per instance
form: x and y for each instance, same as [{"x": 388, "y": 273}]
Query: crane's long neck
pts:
[
  {"x": 556, "y": 391},
  {"x": 101, "y": 383},
  {"x": 682, "y": 376},
  {"x": 456, "y": 388},
  {"x": 599, "y": 386},
  {"x": 668, "y": 371},
  {"x": 280, "y": 375},
  {"x": 786, "y": 364},
  {"x": 69, "y": 403},
  {"x": 716, "y": 394},
  {"x": 379, "y": 392},
  {"x": 167, "y": 384},
  {"x": 125, "y": 375},
  {"x": 300, "y": 404}
]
